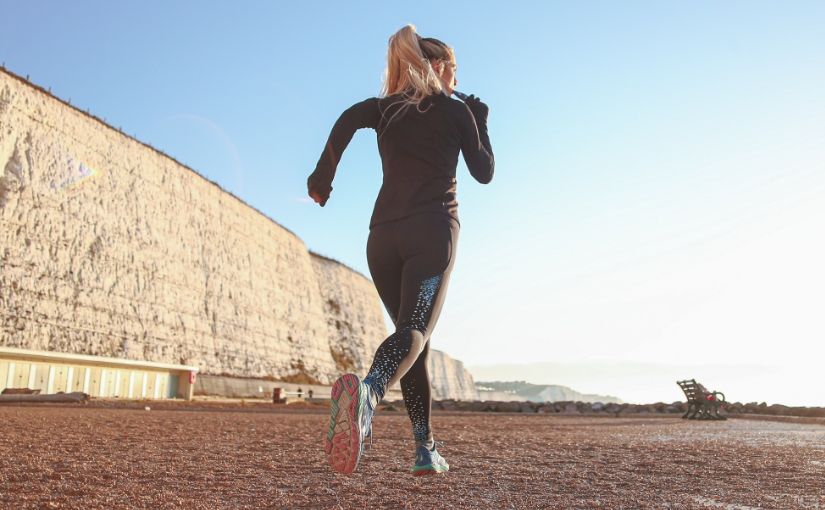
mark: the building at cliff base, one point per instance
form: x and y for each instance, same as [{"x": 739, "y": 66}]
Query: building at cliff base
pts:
[{"x": 136, "y": 265}]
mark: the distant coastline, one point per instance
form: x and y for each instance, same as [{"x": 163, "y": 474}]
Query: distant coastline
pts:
[{"x": 521, "y": 391}]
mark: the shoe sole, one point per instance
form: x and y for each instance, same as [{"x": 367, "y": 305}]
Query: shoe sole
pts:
[
  {"x": 428, "y": 471},
  {"x": 343, "y": 444}
]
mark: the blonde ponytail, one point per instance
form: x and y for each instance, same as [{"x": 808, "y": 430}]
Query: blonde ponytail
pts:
[{"x": 409, "y": 71}]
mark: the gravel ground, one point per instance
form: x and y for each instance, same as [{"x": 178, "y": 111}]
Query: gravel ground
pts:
[{"x": 250, "y": 457}]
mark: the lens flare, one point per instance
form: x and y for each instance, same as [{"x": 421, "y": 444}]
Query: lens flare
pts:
[{"x": 73, "y": 175}]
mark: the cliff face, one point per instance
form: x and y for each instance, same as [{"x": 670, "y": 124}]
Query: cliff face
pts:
[
  {"x": 450, "y": 380},
  {"x": 355, "y": 324},
  {"x": 110, "y": 248}
]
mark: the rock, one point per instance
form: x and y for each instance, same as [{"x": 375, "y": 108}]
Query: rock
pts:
[
  {"x": 546, "y": 408},
  {"x": 449, "y": 405},
  {"x": 629, "y": 409},
  {"x": 584, "y": 407},
  {"x": 571, "y": 408},
  {"x": 612, "y": 408},
  {"x": 479, "y": 407},
  {"x": 490, "y": 406},
  {"x": 509, "y": 407},
  {"x": 527, "y": 407},
  {"x": 778, "y": 410},
  {"x": 463, "y": 405}
]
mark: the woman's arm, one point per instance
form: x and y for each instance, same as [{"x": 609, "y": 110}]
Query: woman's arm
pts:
[
  {"x": 475, "y": 146},
  {"x": 361, "y": 115}
]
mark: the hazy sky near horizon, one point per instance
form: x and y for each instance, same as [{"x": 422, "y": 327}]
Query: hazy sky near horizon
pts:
[{"x": 660, "y": 186}]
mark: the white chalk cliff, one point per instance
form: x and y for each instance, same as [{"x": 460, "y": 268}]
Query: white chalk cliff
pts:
[{"x": 109, "y": 247}]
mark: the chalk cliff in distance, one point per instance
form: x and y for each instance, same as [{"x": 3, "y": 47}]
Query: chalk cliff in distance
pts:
[
  {"x": 450, "y": 380},
  {"x": 525, "y": 392}
]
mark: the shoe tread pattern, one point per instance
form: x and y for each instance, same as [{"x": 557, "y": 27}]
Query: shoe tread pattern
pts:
[{"x": 343, "y": 443}]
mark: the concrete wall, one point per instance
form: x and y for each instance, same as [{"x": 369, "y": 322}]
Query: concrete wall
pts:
[{"x": 110, "y": 248}]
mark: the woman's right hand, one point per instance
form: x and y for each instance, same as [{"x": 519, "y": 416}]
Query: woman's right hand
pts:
[
  {"x": 479, "y": 109},
  {"x": 316, "y": 191}
]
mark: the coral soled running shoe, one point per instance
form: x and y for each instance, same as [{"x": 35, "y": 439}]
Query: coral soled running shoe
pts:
[
  {"x": 352, "y": 409},
  {"x": 429, "y": 462}
]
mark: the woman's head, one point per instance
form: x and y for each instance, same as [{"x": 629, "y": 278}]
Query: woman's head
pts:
[{"x": 418, "y": 67}]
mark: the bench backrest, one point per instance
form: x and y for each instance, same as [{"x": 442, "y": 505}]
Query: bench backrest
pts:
[{"x": 693, "y": 391}]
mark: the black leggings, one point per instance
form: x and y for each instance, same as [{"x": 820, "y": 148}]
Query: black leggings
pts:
[{"x": 410, "y": 262}]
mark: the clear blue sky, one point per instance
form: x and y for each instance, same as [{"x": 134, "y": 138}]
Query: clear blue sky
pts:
[{"x": 660, "y": 166}]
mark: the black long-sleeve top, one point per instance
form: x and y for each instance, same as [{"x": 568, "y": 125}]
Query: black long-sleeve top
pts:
[{"x": 419, "y": 153}]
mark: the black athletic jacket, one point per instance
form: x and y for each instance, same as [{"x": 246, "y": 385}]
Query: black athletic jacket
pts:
[{"x": 419, "y": 153}]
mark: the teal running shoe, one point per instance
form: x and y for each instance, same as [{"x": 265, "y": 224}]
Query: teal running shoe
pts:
[
  {"x": 352, "y": 408},
  {"x": 429, "y": 462}
]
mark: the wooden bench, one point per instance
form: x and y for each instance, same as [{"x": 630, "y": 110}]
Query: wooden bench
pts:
[{"x": 702, "y": 404}]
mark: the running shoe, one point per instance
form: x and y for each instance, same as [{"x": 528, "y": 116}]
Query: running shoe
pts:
[
  {"x": 429, "y": 462},
  {"x": 352, "y": 409}
]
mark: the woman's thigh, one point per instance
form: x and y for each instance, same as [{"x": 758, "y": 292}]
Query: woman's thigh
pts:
[
  {"x": 427, "y": 244},
  {"x": 386, "y": 266}
]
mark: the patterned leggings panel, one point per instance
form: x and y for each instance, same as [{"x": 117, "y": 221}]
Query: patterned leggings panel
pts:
[{"x": 410, "y": 262}]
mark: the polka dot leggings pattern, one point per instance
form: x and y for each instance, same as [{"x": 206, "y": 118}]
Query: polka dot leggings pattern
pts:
[{"x": 396, "y": 349}]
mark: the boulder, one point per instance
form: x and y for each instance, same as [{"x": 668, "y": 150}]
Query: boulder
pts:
[
  {"x": 449, "y": 405},
  {"x": 583, "y": 408},
  {"x": 571, "y": 408},
  {"x": 490, "y": 406},
  {"x": 479, "y": 407},
  {"x": 463, "y": 405},
  {"x": 612, "y": 408},
  {"x": 779, "y": 410},
  {"x": 509, "y": 407}
]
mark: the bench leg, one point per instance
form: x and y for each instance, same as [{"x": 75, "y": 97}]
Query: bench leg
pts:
[
  {"x": 716, "y": 415},
  {"x": 696, "y": 411}
]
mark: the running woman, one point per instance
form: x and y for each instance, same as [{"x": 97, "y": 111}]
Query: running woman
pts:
[{"x": 413, "y": 232}]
